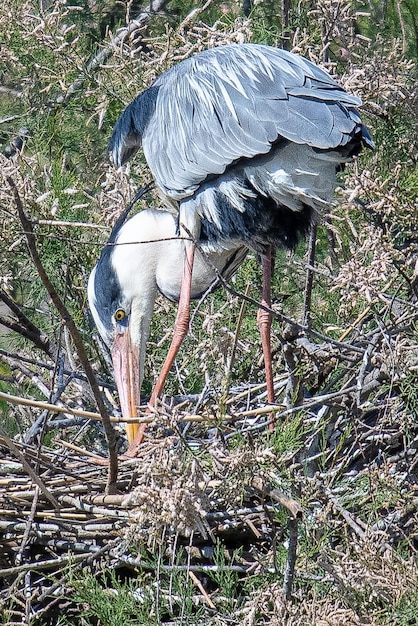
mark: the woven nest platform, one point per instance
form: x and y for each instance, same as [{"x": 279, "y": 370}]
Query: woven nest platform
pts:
[{"x": 192, "y": 490}]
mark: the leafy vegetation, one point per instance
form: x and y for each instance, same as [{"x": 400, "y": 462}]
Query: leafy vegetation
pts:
[{"x": 200, "y": 531}]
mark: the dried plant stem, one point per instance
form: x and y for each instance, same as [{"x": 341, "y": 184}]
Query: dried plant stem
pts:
[
  {"x": 70, "y": 224},
  {"x": 301, "y": 328},
  {"x": 237, "y": 332},
  {"x": 54, "y": 408},
  {"x": 43, "y": 566},
  {"x": 366, "y": 311},
  {"x": 308, "y": 404},
  {"x": 403, "y": 28},
  {"x": 202, "y": 590},
  {"x": 347, "y": 516},
  {"x": 28, "y": 528},
  {"x": 194, "y": 14}
]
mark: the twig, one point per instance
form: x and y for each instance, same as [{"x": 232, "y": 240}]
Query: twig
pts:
[
  {"x": 346, "y": 515},
  {"x": 79, "y": 505},
  {"x": 237, "y": 332},
  {"x": 28, "y": 528},
  {"x": 289, "y": 574},
  {"x": 364, "y": 313},
  {"x": 39, "y": 427},
  {"x": 364, "y": 366},
  {"x": 24, "y": 326},
  {"x": 75, "y": 334},
  {"x": 294, "y": 391},
  {"x": 32, "y": 376},
  {"x": 193, "y": 14},
  {"x": 403, "y": 28},
  {"x": 18, "y": 454},
  {"x": 265, "y": 489},
  {"x": 70, "y": 224},
  {"x": 308, "y": 404},
  {"x": 97, "y": 459},
  {"x": 202, "y": 590},
  {"x": 49, "y": 367},
  {"x": 309, "y": 276},
  {"x": 125, "y": 559},
  {"x": 42, "y": 566},
  {"x": 47, "y": 406},
  {"x": 293, "y": 507},
  {"x": 302, "y": 328}
]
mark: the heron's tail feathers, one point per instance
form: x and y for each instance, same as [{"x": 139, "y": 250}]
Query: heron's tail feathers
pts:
[
  {"x": 271, "y": 199},
  {"x": 126, "y": 137}
]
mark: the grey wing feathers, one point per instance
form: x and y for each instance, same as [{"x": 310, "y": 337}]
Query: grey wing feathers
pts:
[{"x": 229, "y": 103}]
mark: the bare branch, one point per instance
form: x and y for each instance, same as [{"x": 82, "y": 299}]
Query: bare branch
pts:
[
  {"x": 137, "y": 23},
  {"x": 75, "y": 334},
  {"x": 25, "y": 327}
]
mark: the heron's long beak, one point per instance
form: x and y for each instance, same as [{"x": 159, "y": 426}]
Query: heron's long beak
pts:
[{"x": 125, "y": 357}]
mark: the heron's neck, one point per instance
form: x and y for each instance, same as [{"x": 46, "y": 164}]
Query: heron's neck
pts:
[{"x": 141, "y": 244}]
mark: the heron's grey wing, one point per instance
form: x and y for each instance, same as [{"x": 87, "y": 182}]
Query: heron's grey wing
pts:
[{"x": 233, "y": 102}]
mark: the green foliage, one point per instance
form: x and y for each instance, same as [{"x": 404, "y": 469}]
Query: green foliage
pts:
[
  {"x": 408, "y": 389},
  {"x": 107, "y": 600},
  {"x": 406, "y": 612},
  {"x": 224, "y": 576},
  {"x": 397, "y": 20},
  {"x": 289, "y": 437}
]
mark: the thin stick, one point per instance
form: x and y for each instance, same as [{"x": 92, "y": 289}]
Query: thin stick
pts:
[
  {"x": 237, "y": 331},
  {"x": 139, "y": 21},
  {"x": 48, "y": 407},
  {"x": 28, "y": 528},
  {"x": 346, "y": 515},
  {"x": 275, "y": 314},
  {"x": 25, "y": 327},
  {"x": 364, "y": 313},
  {"x": 73, "y": 224},
  {"x": 289, "y": 574},
  {"x": 41, "y": 566},
  {"x": 309, "y": 276},
  {"x": 318, "y": 400},
  {"x": 202, "y": 590}
]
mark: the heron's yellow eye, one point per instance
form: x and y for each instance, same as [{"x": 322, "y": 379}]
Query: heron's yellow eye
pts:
[{"x": 120, "y": 315}]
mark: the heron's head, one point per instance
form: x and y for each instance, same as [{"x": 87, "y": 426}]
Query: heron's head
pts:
[{"x": 115, "y": 307}]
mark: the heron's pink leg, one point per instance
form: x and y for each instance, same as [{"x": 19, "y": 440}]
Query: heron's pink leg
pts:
[
  {"x": 181, "y": 326},
  {"x": 264, "y": 324}
]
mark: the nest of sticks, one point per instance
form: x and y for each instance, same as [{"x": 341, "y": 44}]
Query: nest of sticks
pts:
[{"x": 188, "y": 487}]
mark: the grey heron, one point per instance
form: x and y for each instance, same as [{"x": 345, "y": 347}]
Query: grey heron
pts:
[{"x": 243, "y": 142}]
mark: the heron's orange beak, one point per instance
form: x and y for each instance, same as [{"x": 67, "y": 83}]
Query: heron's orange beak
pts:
[{"x": 125, "y": 357}]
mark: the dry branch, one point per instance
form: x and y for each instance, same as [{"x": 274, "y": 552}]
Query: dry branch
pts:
[
  {"x": 138, "y": 23},
  {"x": 75, "y": 334},
  {"x": 24, "y": 326}
]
